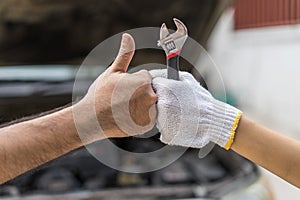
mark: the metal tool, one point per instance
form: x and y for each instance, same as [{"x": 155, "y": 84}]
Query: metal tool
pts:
[{"x": 172, "y": 45}]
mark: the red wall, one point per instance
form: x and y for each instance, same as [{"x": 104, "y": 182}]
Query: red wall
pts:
[{"x": 260, "y": 13}]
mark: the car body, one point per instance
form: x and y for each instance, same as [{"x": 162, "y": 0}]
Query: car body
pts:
[{"x": 30, "y": 90}]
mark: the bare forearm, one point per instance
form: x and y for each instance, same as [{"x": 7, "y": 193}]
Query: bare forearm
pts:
[
  {"x": 269, "y": 149},
  {"x": 31, "y": 143},
  {"x": 26, "y": 145}
]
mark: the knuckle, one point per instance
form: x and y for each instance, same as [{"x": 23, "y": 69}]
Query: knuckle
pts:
[
  {"x": 149, "y": 95},
  {"x": 145, "y": 73},
  {"x": 148, "y": 77},
  {"x": 143, "y": 76},
  {"x": 152, "y": 96}
]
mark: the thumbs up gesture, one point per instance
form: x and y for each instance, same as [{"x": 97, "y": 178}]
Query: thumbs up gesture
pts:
[{"x": 122, "y": 104}]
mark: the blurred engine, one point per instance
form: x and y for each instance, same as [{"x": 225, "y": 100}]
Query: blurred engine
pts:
[{"x": 79, "y": 171}]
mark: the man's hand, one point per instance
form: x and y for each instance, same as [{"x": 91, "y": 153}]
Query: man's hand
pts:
[{"x": 123, "y": 104}]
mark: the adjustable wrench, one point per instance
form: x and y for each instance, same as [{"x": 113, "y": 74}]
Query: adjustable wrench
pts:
[{"x": 172, "y": 45}]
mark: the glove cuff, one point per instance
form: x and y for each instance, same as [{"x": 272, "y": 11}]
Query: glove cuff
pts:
[{"x": 224, "y": 122}]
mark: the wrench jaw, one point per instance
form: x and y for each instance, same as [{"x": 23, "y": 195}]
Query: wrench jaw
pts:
[
  {"x": 173, "y": 43},
  {"x": 164, "y": 32}
]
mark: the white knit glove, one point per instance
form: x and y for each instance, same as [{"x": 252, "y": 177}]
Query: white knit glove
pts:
[{"x": 188, "y": 115}]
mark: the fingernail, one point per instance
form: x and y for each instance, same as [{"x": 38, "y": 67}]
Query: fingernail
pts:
[{"x": 125, "y": 38}]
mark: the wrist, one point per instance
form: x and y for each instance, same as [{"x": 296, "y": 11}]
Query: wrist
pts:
[
  {"x": 70, "y": 133},
  {"x": 86, "y": 122},
  {"x": 224, "y": 122}
]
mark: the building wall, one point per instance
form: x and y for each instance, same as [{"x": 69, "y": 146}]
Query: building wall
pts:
[
  {"x": 261, "y": 13},
  {"x": 261, "y": 68}
]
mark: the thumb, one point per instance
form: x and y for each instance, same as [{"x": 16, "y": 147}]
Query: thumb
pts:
[{"x": 125, "y": 54}]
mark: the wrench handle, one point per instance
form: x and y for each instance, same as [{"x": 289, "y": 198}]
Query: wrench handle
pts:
[{"x": 173, "y": 67}]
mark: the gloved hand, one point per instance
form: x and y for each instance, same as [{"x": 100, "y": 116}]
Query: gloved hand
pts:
[{"x": 188, "y": 115}]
